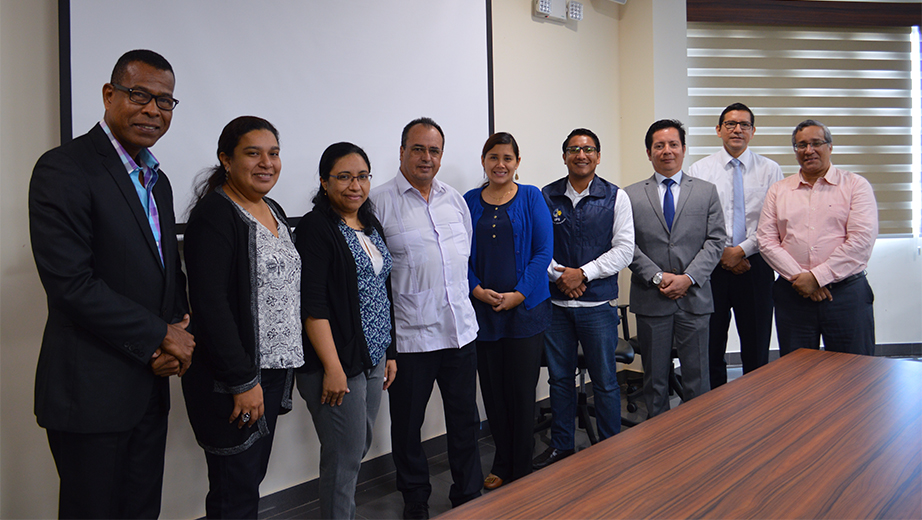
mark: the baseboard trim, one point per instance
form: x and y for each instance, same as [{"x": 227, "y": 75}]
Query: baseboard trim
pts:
[{"x": 372, "y": 470}]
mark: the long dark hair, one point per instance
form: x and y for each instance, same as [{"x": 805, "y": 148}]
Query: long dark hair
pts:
[
  {"x": 210, "y": 178},
  {"x": 321, "y": 200}
]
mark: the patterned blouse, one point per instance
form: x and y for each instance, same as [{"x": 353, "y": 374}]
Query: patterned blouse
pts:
[
  {"x": 374, "y": 306},
  {"x": 278, "y": 298}
]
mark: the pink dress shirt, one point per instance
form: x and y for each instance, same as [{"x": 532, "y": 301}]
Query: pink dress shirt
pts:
[{"x": 828, "y": 229}]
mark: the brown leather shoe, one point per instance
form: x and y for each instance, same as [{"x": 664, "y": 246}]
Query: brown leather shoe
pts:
[{"x": 492, "y": 482}]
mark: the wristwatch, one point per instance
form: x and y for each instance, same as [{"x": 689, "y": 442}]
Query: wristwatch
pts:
[{"x": 658, "y": 278}]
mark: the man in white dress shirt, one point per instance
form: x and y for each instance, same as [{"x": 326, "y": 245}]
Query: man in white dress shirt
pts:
[
  {"x": 742, "y": 281},
  {"x": 428, "y": 230}
]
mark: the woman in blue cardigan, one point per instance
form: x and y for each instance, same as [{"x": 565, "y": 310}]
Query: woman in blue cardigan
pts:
[{"x": 510, "y": 254}]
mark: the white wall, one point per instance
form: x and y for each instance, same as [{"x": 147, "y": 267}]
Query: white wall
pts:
[{"x": 549, "y": 78}]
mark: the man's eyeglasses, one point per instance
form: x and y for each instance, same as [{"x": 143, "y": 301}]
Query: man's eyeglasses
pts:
[
  {"x": 744, "y": 126},
  {"x": 347, "y": 179},
  {"x": 588, "y": 150},
  {"x": 801, "y": 146},
  {"x": 142, "y": 98}
]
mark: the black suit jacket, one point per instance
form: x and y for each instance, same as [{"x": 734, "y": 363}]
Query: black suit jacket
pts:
[{"x": 109, "y": 298}]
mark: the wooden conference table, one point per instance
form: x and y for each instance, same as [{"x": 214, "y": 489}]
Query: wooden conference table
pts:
[{"x": 812, "y": 435}]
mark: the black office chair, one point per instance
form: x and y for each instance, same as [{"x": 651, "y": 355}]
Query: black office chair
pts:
[{"x": 624, "y": 353}]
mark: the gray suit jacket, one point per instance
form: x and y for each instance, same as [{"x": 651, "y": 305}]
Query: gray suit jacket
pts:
[{"x": 693, "y": 247}]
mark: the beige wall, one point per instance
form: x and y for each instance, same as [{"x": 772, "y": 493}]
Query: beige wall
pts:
[{"x": 28, "y": 127}]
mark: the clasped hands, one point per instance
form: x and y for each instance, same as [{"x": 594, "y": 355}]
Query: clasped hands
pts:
[
  {"x": 571, "y": 281},
  {"x": 174, "y": 356},
  {"x": 734, "y": 260},
  {"x": 806, "y": 285},
  {"x": 498, "y": 301},
  {"x": 674, "y": 286}
]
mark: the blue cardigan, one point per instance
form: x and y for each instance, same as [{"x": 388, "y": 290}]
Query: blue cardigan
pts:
[{"x": 533, "y": 239}]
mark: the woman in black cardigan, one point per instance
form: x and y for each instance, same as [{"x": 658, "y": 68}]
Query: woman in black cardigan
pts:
[
  {"x": 244, "y": 276},
  {"x": 348, "y": 321}
]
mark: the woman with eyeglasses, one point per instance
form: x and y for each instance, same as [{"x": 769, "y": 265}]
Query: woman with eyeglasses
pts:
[
  {"x": 348, "y": 321},
  {"x": 244, "y": 280},
  {"x": 510, "y": 253}
]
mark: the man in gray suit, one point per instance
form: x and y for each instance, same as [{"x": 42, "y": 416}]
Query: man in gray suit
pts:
[{"x": 679, "y": 236}]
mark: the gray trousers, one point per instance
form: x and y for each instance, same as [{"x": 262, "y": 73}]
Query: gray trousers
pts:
[
  {"x": 345, "y": 435},
  {"x": 656, "y": 335}
]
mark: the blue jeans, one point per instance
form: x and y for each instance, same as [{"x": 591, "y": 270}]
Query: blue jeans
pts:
[{"x": 596, "y": 328}]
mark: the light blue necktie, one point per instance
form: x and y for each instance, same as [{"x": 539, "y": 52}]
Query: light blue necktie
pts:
[
  {"x": 668, "y": 203},
  {"x": 739, "y": 204}
]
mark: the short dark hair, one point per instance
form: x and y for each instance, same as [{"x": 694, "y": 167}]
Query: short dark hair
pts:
[
  {"x": 663, "y": 124},
  {"x": 209, "y": 179},
  {"x": 582, "y": 131},
  {"x": 138, "y": 55},
  {"x": 740, "y": 107},
  {"x": 827, "y": 135},
  {"x": 425, "y": 121},
  {"x": 497, "y": 139},
  {"x": 321, "y": 200}
]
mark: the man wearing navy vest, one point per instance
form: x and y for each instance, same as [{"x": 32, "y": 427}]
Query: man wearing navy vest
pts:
[{"x": 593, "y": 240}]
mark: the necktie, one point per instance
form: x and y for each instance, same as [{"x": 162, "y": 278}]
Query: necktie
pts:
[
  {"x": 668, "y": 203},
  {"x": 739, "y": 204}
]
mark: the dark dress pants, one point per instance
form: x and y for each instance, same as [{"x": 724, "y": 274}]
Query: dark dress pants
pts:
[
  {"x": 846, "y": 323},
  {"x": 750, "y": 296},
  {"x": 113, "y": 475},
  {"x": 455, "y": 370},
  {"x": 509, "y": 371},
  {"x": 233, "y": 480}
]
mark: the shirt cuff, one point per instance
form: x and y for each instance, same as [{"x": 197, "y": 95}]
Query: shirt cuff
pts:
[
  {"x": 591, "y": 271},
  {"x": 692, "y": 279},
  {"x": 823, "y": 275}
]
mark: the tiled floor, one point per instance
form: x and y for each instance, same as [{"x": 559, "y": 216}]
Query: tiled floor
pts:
[{"x": 377, "y": 497}]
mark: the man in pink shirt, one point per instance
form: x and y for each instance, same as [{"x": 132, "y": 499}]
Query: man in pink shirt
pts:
[{"x": 817, "y": 230}]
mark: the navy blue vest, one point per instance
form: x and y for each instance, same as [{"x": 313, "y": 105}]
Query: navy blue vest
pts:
[{"x": 583, "y": 233}]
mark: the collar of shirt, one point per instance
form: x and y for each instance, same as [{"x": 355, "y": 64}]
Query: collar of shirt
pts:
[
  {"x": 403, "y": 185},
  {"x": 574, "y": 196},
  {"x": 745, "y": 158},
  {"x": 660, "y": 178},
  {"x": 148, "y": 161},
  {"x": 832, "y": 177}
]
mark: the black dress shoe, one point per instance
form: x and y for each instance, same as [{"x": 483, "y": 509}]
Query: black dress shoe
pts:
[
  {"x": 550, "y": 456},
  {"x": 416, "y": 510}
]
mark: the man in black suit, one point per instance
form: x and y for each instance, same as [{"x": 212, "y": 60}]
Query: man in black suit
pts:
[{"x": 104, "y": 241}]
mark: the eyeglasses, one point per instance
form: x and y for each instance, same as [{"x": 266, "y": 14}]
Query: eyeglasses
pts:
[
  {"x": 347, "y": 179},
  {"x": 142, "y": 98},
  {"x": 801, "y": 146},
  {"x": 588, "y": 150},
  {"x": 744, "y": 126},
  {"x": 434, "y": 151}
]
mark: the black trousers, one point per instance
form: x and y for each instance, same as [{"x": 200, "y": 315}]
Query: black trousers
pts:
[
  {"x": 455, "y": 370},
  {"x": 509, "y": 371},
  {"x": 846, "y": 323},
  {"x": 749, "y": 295},
  {"x": 113, "y": 475},
  {"x": 233, "y": 480}
]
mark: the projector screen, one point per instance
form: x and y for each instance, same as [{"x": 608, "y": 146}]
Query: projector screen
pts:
[{"x": 320, "y": 71}]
